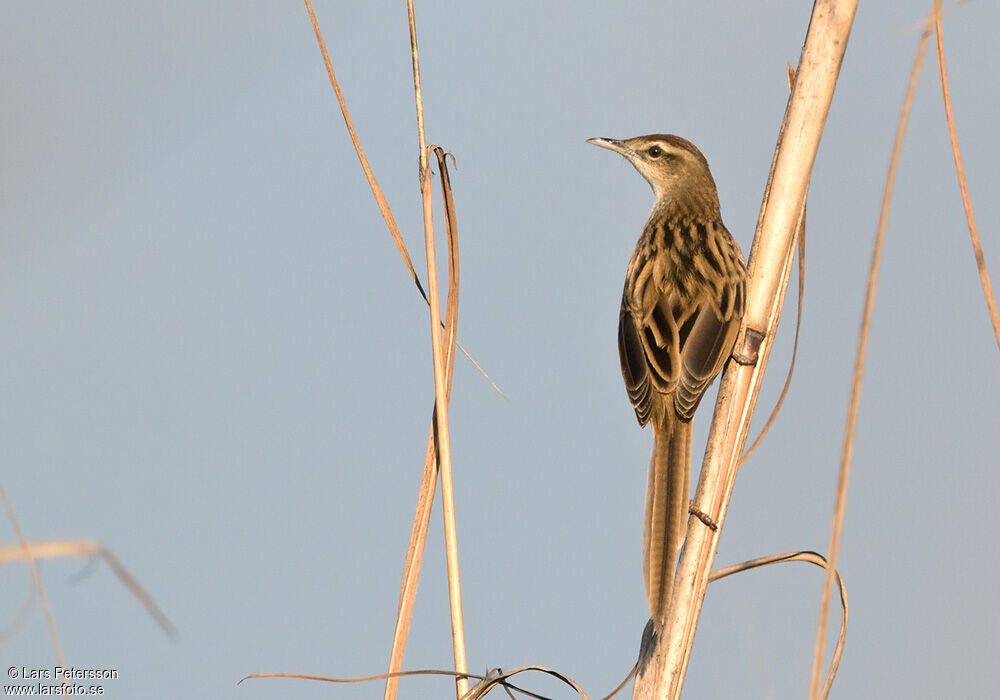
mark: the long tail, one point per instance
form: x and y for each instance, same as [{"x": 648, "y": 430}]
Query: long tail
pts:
[{"x": 665, "y": 523}]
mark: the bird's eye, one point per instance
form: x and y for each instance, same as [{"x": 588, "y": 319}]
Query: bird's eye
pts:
[{"x": 655, "y": 151}]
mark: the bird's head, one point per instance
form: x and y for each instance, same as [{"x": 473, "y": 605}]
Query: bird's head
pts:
[{"x": 673, "y": 167}]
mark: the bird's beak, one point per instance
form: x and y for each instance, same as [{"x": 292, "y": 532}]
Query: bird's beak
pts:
[{"x": 612, "y": 145}]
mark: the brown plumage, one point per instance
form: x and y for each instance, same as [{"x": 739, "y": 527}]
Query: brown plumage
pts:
[{"x": 681, "y": 311}]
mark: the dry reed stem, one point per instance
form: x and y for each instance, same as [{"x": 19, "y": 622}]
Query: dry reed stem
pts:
[
  {"x": 440, "y": 395},
  {"x": 35, "y": 578},
  {"x": 812, "y": 558},
  {"x": 977, "y": 248},
  {"x": 451, "y": 315},
  {"x": 847, "y": 451},
  {"x": 497, "y": 677},
  {"x": 412, "y": 565},
  {"x": 800, "y": 246},
  {"x": 663, "y": 660},
  {"x": 493, "y": 678},
  {"x": 417, "y": 94},
  {"x": 380, "y": 200},
  {"x": 87, "y": 548},
  {"x": 383, "y": 205},
  {"x": 421, "y": 519},
  {"x": 800, "y": 233},
  {"x": 444, "y": 448},
  {"x": 414, "y": 557}
]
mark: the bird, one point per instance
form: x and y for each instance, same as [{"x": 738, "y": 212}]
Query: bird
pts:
[{"x": 681, "y": 310}]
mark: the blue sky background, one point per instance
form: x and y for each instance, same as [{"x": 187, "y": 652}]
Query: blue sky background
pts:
[{"x": 214, "y": 363}]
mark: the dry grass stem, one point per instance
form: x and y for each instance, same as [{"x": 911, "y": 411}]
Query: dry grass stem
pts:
[
  {"x": 444, "y": 446},
  {"x": 800, "y": 244},
  {"x": 418, "y": 533},
  {"x": 800, "y": 239},
  {"x": 440, "y": 394},
  {"x": 27, "y": 555},
  {"x": 812, "y": 558},
  {"x": 847, "y": 451},
  {"x": 493, "y": 678},
  {"x": 383, "y": 205},
  {"x": 380, "y": 200},
  {"x": 29, "y": 551},
  {"x": 421, "y": 519},
  {"x": 977, "y": 248},
  {"x": 800, "y": 235},
  {"x": 417, "y": 94},
  {"x": 412, "y": 565},
  {"x": 663, "y": 660}
]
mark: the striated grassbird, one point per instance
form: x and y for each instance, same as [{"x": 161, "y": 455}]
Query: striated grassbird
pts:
[{"x": 681, "y": 311}]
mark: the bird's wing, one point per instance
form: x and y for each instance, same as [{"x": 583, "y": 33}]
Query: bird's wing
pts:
[
  {"x": 634, "y": 369},
  {"x": 704, "y": 350},
  {"x": 677, "y": 348},
  {"x": 650, "y": 347}
]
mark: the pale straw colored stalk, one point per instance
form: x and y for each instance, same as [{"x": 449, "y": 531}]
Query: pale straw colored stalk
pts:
[
  {"x": 664, "y": 660},
  {"x": 30, "y": 551},
  {"x": 440, "y": 391},
  {"x": 29, "y": 558},
  {"x": 847, "y": 451},
  {"x": 977, "y": 248},
  {"x": 414, "y": 556}
]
